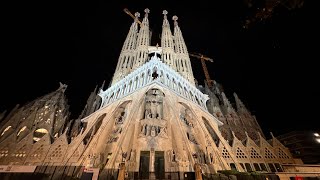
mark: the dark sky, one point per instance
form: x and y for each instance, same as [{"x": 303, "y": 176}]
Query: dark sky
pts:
[{"x": 271, "y": 65}]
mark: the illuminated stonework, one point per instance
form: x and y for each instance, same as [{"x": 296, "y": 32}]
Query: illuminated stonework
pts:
[{"x": 153, "y": 116}]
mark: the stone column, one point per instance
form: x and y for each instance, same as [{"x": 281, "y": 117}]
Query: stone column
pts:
[{"x": 152, "y": 159}]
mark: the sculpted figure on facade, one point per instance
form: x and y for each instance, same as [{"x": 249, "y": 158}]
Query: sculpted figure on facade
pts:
[
  {"x": 186, "y": 117},
  {"x": 153, "y": 104},
  {"x": 191, "y": 138},
  {"x": 132, "y": 155},
  {"x": 211, "y": 158},
  {"x": 117, "y": 130},
  {"x": 169, "y": 157},
  {"x": 99, "y": 160},
  {"x": 152, "y": 130},
  {"x": 91, "y": 159},
  {"x": 119, "y": 116},
  {"x": 163, "y": 132},
  {"x": 171, "y": 154}
]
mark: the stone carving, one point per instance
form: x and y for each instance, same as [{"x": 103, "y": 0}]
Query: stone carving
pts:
[
  {"x": 112, "y": 139},
  {"x": 124, "y": 156},
  {"x": 225, "y": 133},
  {"x": 119, "y": 117},
  {"x": 165, "y": 12},
  {"x": 239, "y": 133},
  {"x": 153, "y": 130},
  {"x": 253, "y": 134},
  {"x": 211, "y": 158},
  {"x": 154, "y": 104},
  {"x": 153, "y": 123},
  {"x": 208, "y": 142},
  {"x": 132, "y": 155},
  {"x": 202, "y": 157},
  {"x": 186, "y": 117},
  {"x": 99, "y": 160},
  {"x": 163, "y": 132},
  {"x": 90, "y": 160},
  {"x": 117, "y": 129},
  {"x": 192, "y": 138},
  {"x": 171, "y": 154},
  {"x": 199, "y": 157}
]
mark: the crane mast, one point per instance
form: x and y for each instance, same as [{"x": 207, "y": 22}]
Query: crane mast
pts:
[
  {"x": 126, "y": 10},
  {"x": 204, "y": 67}
]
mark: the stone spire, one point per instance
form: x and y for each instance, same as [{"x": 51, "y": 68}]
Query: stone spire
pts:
[
  {"x": 250, "y": 122},
  {"x": 227, "y": 106},
  {"x": 241, "y": 108},
  {"x": 165, "y": 19},
  {"x": 182, "y": 60},
  {"x": 127, "y": 57},
  {"x": 44, "y": 115},
  {"x": 52, "y": 111},
  {"x": 93, "y": 104},
  {"x": 167, "y": 43},
  {"x": 143, "y": 42}
]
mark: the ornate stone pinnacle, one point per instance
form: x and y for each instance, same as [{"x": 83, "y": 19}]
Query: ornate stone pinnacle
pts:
[
  {"x": 147, "y": 11},
  {"x": 165, "y": 12},
  {"x": 137, "y": 14},
  {"x": 62, "y": 87},
  {"x": 175, "y": 18}
]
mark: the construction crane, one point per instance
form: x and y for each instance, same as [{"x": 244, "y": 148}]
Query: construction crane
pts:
[
  {"x": 204, "y": 67},
  {"x": 126, "y": 10}
]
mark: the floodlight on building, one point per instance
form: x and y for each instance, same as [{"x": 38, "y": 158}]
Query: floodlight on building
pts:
[
  {"x": 318, "y": 140},
  {"x": 316, "y": 134}
]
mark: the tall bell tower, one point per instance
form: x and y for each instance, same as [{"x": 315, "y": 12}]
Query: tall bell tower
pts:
[
  {"x": 153, "y": 117},
  {"x": 152, "y": 121}
]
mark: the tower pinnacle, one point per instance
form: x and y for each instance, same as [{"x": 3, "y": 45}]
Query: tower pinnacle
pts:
[
  {"x": 165, "y": 12},
  {"x": 175, "y": 18},
  {"x": 137, "y": 14},
  {"x": 126, "y": 57},
  {"x": 147, "y": 11},
  {"x": 182, "y": 60},
  {"x": 165, "y": 20},
  {"x": 167, "y": 43}
]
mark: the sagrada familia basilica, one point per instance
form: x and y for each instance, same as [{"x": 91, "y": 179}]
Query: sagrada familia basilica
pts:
[{"x": 153, "y": 117}]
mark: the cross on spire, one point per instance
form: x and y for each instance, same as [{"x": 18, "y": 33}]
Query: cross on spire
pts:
[
  {"x": 175, "y": 18},
  {"x": 147, "y": 11},
  {"x": 62, "y": 87},
  {"x": 165, "y": 12},
  {"x": 137, "y": 14}
]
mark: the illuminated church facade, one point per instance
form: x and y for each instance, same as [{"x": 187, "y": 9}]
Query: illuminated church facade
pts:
[{"x": 153, "y": 118}]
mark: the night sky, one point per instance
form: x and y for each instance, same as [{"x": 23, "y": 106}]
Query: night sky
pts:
[{"x": 271, "y": 65}]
